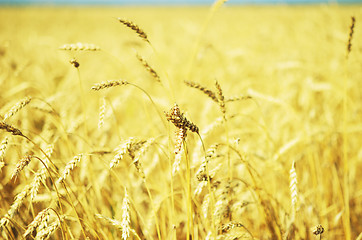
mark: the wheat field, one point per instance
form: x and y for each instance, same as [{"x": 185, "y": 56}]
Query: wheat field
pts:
[{"x": 219, "y": 122}]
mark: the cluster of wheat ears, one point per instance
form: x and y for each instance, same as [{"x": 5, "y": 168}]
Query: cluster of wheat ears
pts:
[{"x": 186, "y": 185}]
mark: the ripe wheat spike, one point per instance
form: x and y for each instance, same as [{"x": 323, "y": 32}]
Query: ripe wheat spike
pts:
[
  {"x": 149, "y": 68},
  {"x": 80, "y": 47},
  {"x": 135, "y": 28},
  {"x": 203, "y": 89},
  {"x": 17, "y": 107},
  {"x": 108, "y": 84}
]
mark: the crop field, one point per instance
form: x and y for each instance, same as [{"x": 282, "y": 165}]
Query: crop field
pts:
[{"x": 212, "y": 122}]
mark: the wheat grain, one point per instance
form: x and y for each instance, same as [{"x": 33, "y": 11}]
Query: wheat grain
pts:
[
  {"x": 108, "y": 84},
  {"x": 80, "y": 47},
  {"x": 135, "y": 28}
]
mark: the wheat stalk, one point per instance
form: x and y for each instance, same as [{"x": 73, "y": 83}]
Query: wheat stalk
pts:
[
  {"x": 80, "y": 47},
  {"x": 108, "y": 84},
  {"x": 135, "y": 28}
]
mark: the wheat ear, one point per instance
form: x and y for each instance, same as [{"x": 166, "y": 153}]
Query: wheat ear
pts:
[
  {"x": 40, "y": 177},
  {"x": 42, "y": 216},
  {"x": 221, "y": 98},
  {"x": 203, "y": 89},
  {"x": 11, "y": 129},
  {"x": 102, "y": 112},
  {"x": 47, "y": 231},
  {"x": 3, "y": 147},
  {"x": 70, "y": 166},
  {"x": 80, "y": 47},
  {"x": 108, "y": 84},
  {"x": 149, "y": 69},
  {"x": 126, "y": 220},
  {"x": 121, "y": 151},
  {"x": 238, "y": 98},
  {"x": 135, "y": 28},
  {"x": 293, "y": 186},
  {"x": 177, "y": 118},
  {"x": 21, "y": 165},
  {"x": 350, "y": 37},
  {"x": 15, "y": 206},
  {"x": 17, "y": 107}
]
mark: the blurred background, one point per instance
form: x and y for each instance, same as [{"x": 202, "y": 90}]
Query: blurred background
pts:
[{"x": 167, "y": 2}]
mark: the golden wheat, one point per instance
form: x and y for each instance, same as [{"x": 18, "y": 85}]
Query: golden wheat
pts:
[
  {"x": 135, "y": 28},
  {"x": 80, "y": 47},
  {"x": 70, "y": 166},
  {"x": 17, "y": 107},
  {"x": 243, "y": 180},
  {"x": 108, "y": 84},
  {"x": 40, "y": 218}
]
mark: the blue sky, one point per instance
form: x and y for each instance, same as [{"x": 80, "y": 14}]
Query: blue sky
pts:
[{"x": 163, "y": 2}]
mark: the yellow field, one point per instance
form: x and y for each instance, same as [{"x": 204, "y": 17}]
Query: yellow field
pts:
[{"x": 277, "y": 153}]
